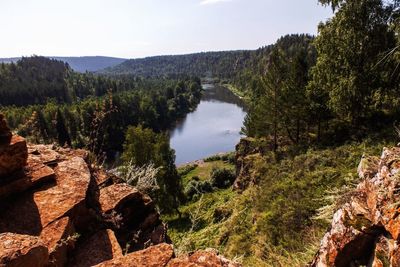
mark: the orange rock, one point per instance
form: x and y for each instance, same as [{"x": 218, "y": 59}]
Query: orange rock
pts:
[
  {"x": 34, "y": 174},
  {"x": 13, "y": 155},
  {"x": 208, "y": 258},
  {"x": 115, "y": 196},
  {"x": 22, "y": 250},
  {"x": 73, "y": 177},
  {"x": 100, "y": 247},
  {"x": 44, "y": 154},
  {"x": 58, "y": 237},
  {"x": 154, "y": 256}
]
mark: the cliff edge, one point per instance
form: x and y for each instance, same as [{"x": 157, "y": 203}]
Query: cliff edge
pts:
[
  {"x": 366, "y": 230},
  {"x": 58, "y": 210}
]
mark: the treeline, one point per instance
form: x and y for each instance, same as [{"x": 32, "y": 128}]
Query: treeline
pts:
[
  {"x": 210, "y": 64},
  {"x": 342, "y": 85},
  {"x": 37, "y": 80},
  {"x": 99, "y": 123}
]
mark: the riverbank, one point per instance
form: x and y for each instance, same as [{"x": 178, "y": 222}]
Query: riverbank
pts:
[{"x": 236, "y": 91}]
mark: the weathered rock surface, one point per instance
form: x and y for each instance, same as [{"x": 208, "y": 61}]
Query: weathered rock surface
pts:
[
  {"x": 366, "y": 230},
  {"x": 154, "y": 256},
  {"x": 57, "y": 210},
  {"x": 22, "y": 250},
  {"x": 13, "y": 155},
  {"x": 202, "y": 259},
  {"x": 101, "y": 246}
]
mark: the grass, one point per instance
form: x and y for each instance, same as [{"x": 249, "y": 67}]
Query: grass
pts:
[
  {"x": 204, "y": 169},
  {"x": 236, "y": 91},
  {"x": 274, "y": 223}
]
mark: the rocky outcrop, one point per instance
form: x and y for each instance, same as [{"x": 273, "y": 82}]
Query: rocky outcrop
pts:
[
  {"x": 56, "y": 209},
  {"x": 366, "y": 230},
  {"x": 247, "y": 153},
  {"x": 22, "y": 250},
  {"x": 202, "y": 258}
]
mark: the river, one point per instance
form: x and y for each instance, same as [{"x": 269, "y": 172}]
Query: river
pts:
[{"x": 212, "y": 128}]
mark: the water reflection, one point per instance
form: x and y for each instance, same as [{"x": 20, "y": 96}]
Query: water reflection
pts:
[{"x": 212, "y": 128}]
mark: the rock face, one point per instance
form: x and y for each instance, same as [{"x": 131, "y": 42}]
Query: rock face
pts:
[
  {"x": 58, "y": 210},
  {"x": 366, "y": 230}
]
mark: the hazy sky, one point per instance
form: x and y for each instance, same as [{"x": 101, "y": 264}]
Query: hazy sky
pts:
[{"x": 138, "y": 28}]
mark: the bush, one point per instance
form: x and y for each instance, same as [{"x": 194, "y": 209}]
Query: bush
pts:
[
  {"x": 222, "y": 178},
  {"x": 197, "y": 187}
]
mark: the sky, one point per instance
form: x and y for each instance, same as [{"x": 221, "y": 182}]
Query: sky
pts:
[{"x": 140, "y": 28}]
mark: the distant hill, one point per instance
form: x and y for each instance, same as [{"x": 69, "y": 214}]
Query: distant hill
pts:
[
  {"x": 222, "y": 64},
  {"x": 81, "y": 64}
]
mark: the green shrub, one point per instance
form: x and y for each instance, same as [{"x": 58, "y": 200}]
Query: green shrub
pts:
[
  {"x": 197, "y": 187},
  {"x": 222, "y": 178}
]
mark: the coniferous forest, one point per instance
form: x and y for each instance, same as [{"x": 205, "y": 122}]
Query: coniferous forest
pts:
[{"x": 315, "y": 106}]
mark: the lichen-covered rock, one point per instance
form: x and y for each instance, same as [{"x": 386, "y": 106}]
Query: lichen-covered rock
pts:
[
  {"x": 13, "y": 155},
  {"x": 58, "y": 237},
  {"x": 32, "y": 175},
  {"x": 55, "y": 194},
  {"x": 203, "y": 259},
  {"x": 366, "y": 230},
  {"x": 73, "y": 178},
  {"x": 154, "y": 256},
  {"x": 22, "y": 250},
  {"x": 101, "y": 246}
]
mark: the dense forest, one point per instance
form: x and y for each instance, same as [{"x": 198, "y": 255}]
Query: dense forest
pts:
[
  {"x": 209, "y": 64},
  {"x": 80, "y": 64},
  {"x": 316, "y": 105}
]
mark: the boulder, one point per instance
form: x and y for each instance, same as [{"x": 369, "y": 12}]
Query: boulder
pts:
[
  {"x": 44, "y": 154},
  {"x": 202, "y": 259},
  {"x": 33, "y": 175},
  {"x": 115, "y": 196},
  {"x": 68, "y": 196},
  {"x": 22, "y": 250},
  {"x": 58, "y": 237},
  {"x": 13, "y": 156},
  {"x": 101, "y": 246},
  {"x": 154, "y": 256},
  {"x": 367, "y": 228}
]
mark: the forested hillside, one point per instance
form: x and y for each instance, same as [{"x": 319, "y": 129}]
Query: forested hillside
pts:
[
  {"x": 316, "y": 106},
  {"x": 211, "y": 64},
  {"x": 80, "y": 64}
]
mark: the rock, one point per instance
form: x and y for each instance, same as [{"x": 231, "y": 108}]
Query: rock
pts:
[
  {"x": 5, "y": 132},
  {"x": 115, "y": 196},
  {"x": 33, "y": 175},
  {"x": 58, "y": 237},
  {"x": 22, "y": 250},
  {"x": 13, "y": 156},
  {"x": 44, "y": 154},
  {"x": 202, "y": 259},
  {"x": 367, "y": 228},
  {"x": 154, "y": 256},
  {"x": 100, "y": 247},
  {"x": 72, "y": 177},
  {"x": 56, "y": 195}
]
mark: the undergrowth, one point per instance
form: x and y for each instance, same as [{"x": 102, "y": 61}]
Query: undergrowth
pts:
[{"x": 279, "y": 221}]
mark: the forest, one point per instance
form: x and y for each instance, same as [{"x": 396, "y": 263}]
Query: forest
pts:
[{"x": 316, "y": 105}]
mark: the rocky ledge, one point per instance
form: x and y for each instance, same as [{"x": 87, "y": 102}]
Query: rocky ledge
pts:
[
  {"x": 58, "y": 210},
  {"x": 366, "y": 230}
]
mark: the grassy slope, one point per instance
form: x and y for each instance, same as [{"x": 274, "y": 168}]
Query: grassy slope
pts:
[{"x": 272, "y": 224}]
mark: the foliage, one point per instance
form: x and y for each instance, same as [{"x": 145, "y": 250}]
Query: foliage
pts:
[
  {"x": 142, "y": 147},
  {"x": 222, "y": 178},
  {"x": 143, "y": 178},
  {"x": 99, "y": 123},
  {"x": 273, "y": 223}
]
